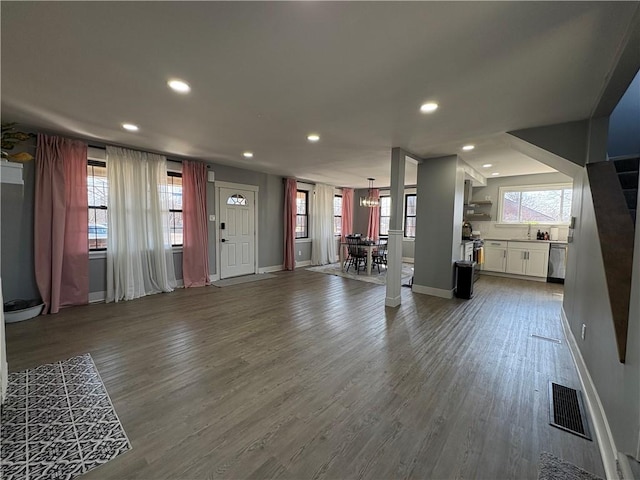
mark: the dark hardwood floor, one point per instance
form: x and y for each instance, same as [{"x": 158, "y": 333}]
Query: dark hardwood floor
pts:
[{"x": 309, "y": 376}]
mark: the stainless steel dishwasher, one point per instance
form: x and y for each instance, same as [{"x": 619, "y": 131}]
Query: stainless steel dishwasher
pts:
[{"x": 557, "y": 262}]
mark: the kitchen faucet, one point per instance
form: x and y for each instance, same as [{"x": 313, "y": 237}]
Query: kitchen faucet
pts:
[{"x": 529, "y": 232}]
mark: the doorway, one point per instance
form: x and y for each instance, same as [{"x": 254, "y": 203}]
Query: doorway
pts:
[{"x": 237, "y": 229}]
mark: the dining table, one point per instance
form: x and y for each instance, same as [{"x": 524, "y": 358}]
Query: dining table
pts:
[{"x": 368, "y": 245}]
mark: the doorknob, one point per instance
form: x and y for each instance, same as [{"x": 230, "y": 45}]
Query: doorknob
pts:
[{"x": 223, "y": 240}]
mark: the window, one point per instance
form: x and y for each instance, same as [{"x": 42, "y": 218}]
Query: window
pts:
[
  {"x": 98, "y": 194},
  {"x": 236, "y": 199},
  {"x": 97, "y": 191},
  {"x": 302, "y": 214},
  {"x": 410, "y": 215},
  {"x": 174, "y": 188},
  {"x": 547, "y": 204},
  {"x": 337, "y": 215},
  {"x": 385, "y": 214}
]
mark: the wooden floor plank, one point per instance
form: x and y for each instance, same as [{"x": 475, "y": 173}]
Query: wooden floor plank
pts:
[{"x": 309, "y": 376}]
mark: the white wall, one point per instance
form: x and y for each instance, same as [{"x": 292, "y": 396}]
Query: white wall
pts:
[{"x": 493, "y": 229}]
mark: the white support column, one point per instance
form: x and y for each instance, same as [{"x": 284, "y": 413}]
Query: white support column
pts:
[
  {"x": 394, "y": 268},
  {"x": 396, "y": 234}
]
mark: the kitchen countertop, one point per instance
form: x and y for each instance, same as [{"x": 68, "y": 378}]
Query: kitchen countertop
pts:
[{"x": 523, "y": 240}]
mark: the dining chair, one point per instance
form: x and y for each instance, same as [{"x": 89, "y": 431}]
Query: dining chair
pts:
[
  {"x": 379, "y": 255},
  {"x": 356, "y": 255}
]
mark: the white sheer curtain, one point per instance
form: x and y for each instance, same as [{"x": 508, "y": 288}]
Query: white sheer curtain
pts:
[
  {"x": 139, "y": 255},
  {"x": 323, "y": 247}
]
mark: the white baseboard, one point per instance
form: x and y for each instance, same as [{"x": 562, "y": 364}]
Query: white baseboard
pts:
[
  {"x": 435, "y": 292},
  {"x": 272, "y": 268},
  {"x": 304, "y": 263},
  {"x": 214, "y": 277},
  {"x": 407, "y": 259},
  {"x": 510, "y": 275},
  {"x": 97, "y": 297},
  {"x": 602, "y": 431},
  {"x": 180, "y": 283},
  {"x": 392, "y": 301}
]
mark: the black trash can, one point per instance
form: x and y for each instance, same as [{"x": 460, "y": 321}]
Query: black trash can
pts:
[{"x": 464, "y": 279}]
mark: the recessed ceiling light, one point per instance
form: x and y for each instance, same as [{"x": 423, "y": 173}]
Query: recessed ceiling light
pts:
[
  {"x": 313, "y": 137},
  {"x": 487, "y": 165},
  {"x": 495, "y": 174},
  {"x": 247, "y": 154},
  {"x": 429, "y": 107},
  {"x": 130, "y": 126},
  {"x": 179, "y": 86},
  {"x": 467, "y": 148}
]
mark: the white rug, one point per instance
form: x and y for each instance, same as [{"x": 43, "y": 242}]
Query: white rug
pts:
[
  {"x": 375, "y": 277},
  {"x": 58, "y": 422}
]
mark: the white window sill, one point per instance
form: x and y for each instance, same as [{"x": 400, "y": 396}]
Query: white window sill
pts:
[
  {"x": 95, "y": 254},
  {"x": 303, "y": 240},
  {"x": 533, "y": 225}
]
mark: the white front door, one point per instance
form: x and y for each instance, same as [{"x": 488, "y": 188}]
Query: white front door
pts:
[{"x": 237, "y": 232}]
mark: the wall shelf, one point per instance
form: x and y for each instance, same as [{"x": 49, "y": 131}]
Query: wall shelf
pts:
[{"x": 483, "y": 212}]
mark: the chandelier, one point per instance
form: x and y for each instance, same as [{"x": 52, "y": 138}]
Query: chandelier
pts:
[{"x": 370, "y": 200}]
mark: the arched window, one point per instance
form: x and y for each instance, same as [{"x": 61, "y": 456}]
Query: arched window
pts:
[{"x": 236, "y": 199}]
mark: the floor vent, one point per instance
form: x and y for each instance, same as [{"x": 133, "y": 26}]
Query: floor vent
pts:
[
  {"x": 566, "y": 410},
  {"x": 548, "y": 339}
]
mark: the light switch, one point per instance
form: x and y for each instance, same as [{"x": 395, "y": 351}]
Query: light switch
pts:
[{"x": 212, "y": 218}]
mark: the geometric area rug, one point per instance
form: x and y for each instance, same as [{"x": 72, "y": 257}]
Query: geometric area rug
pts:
[
  {"x": 58, "y": 422},
  {"x": 554, "y": 468}
]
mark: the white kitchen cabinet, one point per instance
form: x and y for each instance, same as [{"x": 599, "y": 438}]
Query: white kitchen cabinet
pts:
[
  {"x": 516, "y": 260},
  {"x": 528, "y": 258},
  {"x": 538, "y": 262},
  {"x": 495, "y": 256}
]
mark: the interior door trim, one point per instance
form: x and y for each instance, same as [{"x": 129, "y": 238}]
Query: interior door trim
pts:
[{"x": 239, "y": 186}]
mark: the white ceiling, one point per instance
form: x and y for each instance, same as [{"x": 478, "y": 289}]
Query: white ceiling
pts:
[{"x": 265, "y": 74}]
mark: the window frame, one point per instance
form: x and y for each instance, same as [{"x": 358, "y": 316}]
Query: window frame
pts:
[
  {"x": 530, "y": 188},
  {"x": 175, "y": 210},
  {"x": 306, "y": 214},
  {"x": 94, "y": 160},
  {"x": 406, "y": 215},
  {"x": 102, "y": 164},
  {"x": 337, "y": 195},
  {"x": 384, "y": 235}
]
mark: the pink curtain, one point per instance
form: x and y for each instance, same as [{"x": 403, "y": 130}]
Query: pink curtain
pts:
[
  {"x": 290, "y": 209},
  {"x": 195, "y": 255},
  {"x": 347, "y": 212},
  {"x": 373, "y": 230},
  {"x": 61, "y": 237}
]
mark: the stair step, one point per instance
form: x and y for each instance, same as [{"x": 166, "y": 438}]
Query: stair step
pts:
[
  {"x": 628, "y": 179},
  {"x": 627, "y": 164}
]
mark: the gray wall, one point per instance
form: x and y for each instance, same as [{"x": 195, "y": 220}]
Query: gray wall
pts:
[
  {"x": 566, "y": 140},
  {"x": 624, "y": 123},
  {"x": 586, "y": 301},
  {"x": 438, "y": 222},
  {"x": 16, "y": 231},
  {"x": 270, "y": 215}
]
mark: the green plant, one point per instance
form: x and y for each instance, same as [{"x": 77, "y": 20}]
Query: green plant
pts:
[{"x": 12, "y": 138}]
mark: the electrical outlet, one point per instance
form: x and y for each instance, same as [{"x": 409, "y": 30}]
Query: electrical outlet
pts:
[
  {"x": 299, "y": 253},
  {"x": 584, "y": 330}
]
